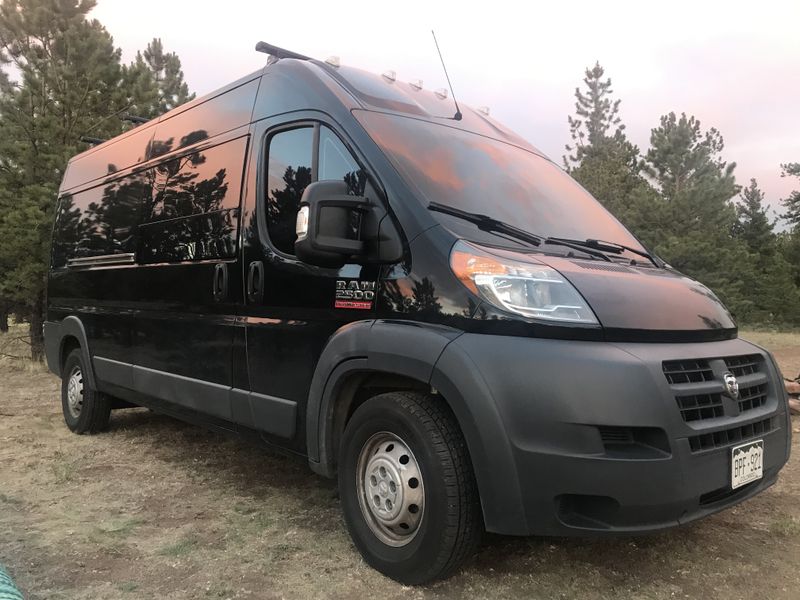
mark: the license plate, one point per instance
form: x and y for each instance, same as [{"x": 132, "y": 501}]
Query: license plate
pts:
[{"x": 747, "y": 463}]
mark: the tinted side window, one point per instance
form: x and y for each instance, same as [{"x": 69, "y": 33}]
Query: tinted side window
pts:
[
  {"x": 197, "y": 183},
  {"x": 99, "y": 221},
  {"x": 115, "y": 156},
  {"x": 288, "y": 174},
  {"x": 290, "y": 170},
  {"x": 192, "y": 213},
  {"x": 335, "y": 160}
]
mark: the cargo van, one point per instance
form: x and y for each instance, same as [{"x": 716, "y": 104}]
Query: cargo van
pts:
[{"x": 413, "y": 299}]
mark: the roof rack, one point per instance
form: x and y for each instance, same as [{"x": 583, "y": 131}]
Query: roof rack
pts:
[{"x": 278, "y": 52}]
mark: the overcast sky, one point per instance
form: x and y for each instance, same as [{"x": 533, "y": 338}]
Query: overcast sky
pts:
[{"x": 735, "y": 66}]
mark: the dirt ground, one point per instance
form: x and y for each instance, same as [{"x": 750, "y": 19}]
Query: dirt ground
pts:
[{"x": 155, "y": 508}]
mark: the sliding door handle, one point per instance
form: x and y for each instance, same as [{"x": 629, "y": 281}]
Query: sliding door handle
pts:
[
  {"x": 220, "y": 288},
  {"x": 255, "y": 282}
]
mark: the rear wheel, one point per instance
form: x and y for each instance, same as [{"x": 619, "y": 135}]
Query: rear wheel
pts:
[
  {"x": 407, "y": 488},
  {"x": 85, "y": 409}
]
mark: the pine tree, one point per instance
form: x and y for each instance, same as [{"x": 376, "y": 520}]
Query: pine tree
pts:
[
  {"x": 789, "y": 248},
  {"x": 60, "y": 77},
  {"x": 792, "y": 203},
  {"x": 165, "y": 67},
  {"x": 697, "y": 216},
  {"x": 753, "y": 226},
  {"x": 67, "y": 71},
  {"x": 596, "y": 119},
  {"x": 603, "y": 159},
  {"x": 774, "y": 295}
]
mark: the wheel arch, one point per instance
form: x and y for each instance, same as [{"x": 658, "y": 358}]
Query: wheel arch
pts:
[
  {"x": 63, "y": 337},
  {"x": 385, "y": 355}
]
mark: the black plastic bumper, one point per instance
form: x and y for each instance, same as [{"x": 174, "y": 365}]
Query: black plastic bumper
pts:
[{"x": 576, "y": 438}]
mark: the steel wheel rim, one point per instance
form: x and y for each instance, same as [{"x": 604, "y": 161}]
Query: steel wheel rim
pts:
[
  {"x": 391, "y": 492},
  {"x": 75, "y": 392}
]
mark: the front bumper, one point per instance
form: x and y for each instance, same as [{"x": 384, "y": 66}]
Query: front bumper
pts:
[{"x": 599, "y": 441}]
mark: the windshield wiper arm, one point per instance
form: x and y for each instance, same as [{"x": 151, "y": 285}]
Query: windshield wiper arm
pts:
[
  {"x": 487, "y": 223},
  {"x": 604, "y": 246},
  {"x": 577, "y": 245}
]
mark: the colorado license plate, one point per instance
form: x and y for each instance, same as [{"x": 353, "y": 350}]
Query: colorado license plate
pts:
[{"x": 747, "y": 463}]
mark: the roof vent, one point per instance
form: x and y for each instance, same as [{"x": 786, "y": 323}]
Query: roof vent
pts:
[
  {"x": 389, "y": 76},
  {"x": 484, "y": 110},
  {"x": 441, "y": 93},
  {"x": 416, "y": 84},
  {"x": 333, "y": 61}
]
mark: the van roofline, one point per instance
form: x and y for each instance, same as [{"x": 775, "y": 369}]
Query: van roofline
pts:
[{"x": 170, "y": 113}]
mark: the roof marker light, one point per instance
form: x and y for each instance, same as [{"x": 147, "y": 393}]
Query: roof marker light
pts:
[
  {"x": 389, "y": 76},
  {"x": 484, "y": 110},
  {"x": 333, "y": 61},
  {"x": 441, "y": 93},
  {"x": 416, "y": 84}
]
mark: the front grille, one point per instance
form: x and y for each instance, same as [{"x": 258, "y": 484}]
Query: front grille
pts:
[
  {"x": 743, "y": 365},
  {"x": 700, "y": 406},
  {"x": 752, "y": 397},
  {"x": 687, "y": 371},
  {"x": 733, "y": 435},
  {"x": 700, "y": 392}
]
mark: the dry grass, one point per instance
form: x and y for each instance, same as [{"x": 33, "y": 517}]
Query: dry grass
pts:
[
  {"x": 156, "y": 508},
  {"x": 784, "y": 345}
]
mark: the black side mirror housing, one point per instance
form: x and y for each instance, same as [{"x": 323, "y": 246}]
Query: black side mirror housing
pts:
[
  {"x": 334, "y": 227},
  {"x": 329, "y": 224}
]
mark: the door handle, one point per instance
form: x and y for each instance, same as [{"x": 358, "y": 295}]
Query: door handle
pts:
[
  {"x": 220, "y": 286},
  {"x": 255, "y": 282}
]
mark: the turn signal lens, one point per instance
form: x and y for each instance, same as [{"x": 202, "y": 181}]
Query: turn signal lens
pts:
[
  {"x": 527, "y": 289},
  {"x": 301, "y": 224}
]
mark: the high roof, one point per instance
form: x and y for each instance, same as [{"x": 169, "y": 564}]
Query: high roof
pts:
[{"x": 386, "y": 94}]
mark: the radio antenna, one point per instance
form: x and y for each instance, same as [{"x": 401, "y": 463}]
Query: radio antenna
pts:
[{"x": 457, "y": 116}]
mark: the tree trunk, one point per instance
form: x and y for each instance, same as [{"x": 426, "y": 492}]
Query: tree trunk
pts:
[
  {"x": 36, "y": 333},
  {"x": 3, "y": 317}
]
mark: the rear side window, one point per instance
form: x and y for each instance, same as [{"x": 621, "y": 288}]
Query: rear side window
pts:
[
  {"x": 100, "y": 221},
  {"x": 295, "y": 159},
  {"x": 192, "y": 212}
]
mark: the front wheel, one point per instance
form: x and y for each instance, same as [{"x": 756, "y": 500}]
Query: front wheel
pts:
[
  {"x": 407, "y": 488},
  {"x": 85, "y": 409}
]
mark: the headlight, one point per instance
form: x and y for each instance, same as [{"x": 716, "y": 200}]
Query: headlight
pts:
[{"x": 527, "y": 289}]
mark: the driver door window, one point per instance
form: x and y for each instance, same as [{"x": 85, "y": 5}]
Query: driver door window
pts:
[{"x": 292, "y": 166}]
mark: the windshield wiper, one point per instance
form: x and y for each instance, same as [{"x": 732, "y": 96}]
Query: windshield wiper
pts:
[
  {"x": 487, "y": 223},
  {"x": 604, "y": 246},
  {"x": 492, "y": 225},
  {"x": 577, "y": 246}
]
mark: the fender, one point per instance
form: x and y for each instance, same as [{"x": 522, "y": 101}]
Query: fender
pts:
[
  {"x": 406, "y": 348},
  {"x": 55, "y": 333},
  {"x": 425, "y": 353},
  {"x": 471, "y": 399}
]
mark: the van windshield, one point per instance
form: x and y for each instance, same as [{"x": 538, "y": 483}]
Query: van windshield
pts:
[{"x": 478, "y": 174}]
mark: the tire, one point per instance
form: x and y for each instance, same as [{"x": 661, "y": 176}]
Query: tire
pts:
[
  {"x": 412, "y": 546},
  {"x": 85, "y": 409}
]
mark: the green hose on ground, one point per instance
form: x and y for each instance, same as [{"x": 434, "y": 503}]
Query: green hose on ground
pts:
[{"x": 8, "y": 591}]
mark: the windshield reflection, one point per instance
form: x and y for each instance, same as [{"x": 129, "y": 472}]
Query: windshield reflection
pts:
[{"x": 479, "y": 174}]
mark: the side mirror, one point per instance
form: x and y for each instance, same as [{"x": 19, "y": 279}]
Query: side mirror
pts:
[{"x": 328, "y": 224}]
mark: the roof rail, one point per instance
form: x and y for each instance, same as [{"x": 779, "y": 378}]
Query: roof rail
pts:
[
  {"x": 93, "y": 141},
  {"x": 278, "y": 52},
  {"x": 134, "y": 119}
]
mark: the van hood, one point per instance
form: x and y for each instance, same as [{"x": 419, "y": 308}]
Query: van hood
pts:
[{"x": 644, "y": 299}]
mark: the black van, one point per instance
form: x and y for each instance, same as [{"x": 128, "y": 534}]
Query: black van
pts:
[{"x": 420, "y": 304}]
